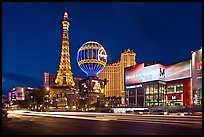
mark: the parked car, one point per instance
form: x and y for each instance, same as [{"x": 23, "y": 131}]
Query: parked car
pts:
[{"x": 159, "y": 112}]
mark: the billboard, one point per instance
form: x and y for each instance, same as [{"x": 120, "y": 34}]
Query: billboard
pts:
[
  {"x": 95, "y": 86},
  {"x": 139, "y": 73},
  {"x": 178, "y": 71}
]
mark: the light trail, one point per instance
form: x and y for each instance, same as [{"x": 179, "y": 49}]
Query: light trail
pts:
[
  {"x": 17, "y": 113},
  {"x": 182, "y": 120}
]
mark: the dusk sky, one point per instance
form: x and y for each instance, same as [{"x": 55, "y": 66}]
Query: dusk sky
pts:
[{"x": 32, "y": 34}]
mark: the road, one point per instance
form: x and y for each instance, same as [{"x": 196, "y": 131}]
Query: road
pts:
[{"x": 100, "y": 124}]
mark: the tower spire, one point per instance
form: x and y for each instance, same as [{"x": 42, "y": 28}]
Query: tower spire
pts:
[
  {"x": 65, "y": 15},
  {"x": 64, "y": 73}
]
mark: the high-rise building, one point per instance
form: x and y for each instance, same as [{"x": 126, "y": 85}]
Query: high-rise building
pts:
[
  {"x": 127, "y": 59},
  {"x": 49, "y": 79},
  {"x": 64, "y": 74},
  {"x": 197, "y": 76},
  {"x": 115, "y": 74},
  {"x": 112, "y": 73}
]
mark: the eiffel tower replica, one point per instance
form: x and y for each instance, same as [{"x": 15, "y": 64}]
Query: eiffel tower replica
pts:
[{"x": 64, "y": 84}]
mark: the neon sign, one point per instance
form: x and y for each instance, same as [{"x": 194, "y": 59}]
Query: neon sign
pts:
[
  {"x": 140, "y": 73},
  {"x": 199, "y": 65},
  {"x": 173, "y": 97}
]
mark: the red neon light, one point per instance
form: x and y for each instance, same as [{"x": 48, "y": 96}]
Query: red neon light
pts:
[
  {"x": 191, "y": 94},
  {"x": 199, "y": 65},
  {"x": 174, "y": 97}
]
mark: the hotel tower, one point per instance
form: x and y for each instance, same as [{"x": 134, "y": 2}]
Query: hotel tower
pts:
[{"x": 115, "y": 74}]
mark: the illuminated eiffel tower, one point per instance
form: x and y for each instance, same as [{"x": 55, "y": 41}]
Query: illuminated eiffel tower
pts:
[
  {"x": 64, "y": 83},
  {"x": 64, "y": 74}
]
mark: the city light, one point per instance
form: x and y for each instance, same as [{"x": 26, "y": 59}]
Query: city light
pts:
[
  {"x": 131, "y": 93},
  {"x": 47, "y": 88}
]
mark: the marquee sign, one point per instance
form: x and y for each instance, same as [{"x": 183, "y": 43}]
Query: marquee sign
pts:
[{"x": 139, "y": 73}]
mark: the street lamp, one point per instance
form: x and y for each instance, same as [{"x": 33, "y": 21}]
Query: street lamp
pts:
[{"x": 47, "y": 88}]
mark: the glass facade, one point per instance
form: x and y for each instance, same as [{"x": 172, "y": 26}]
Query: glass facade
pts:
[
  {"x": 132, "y": 98},
  {"x": 159, "y": 93},
  {"x": 155, "y": 94},
  {"x": 151, "y": 94},
  {"x": 174, "y": 94}
]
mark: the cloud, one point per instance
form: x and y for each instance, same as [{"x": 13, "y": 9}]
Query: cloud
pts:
[{"x": 27, "y": 80}]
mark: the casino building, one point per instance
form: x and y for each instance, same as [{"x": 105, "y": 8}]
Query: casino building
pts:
[
  {"x": 159, "y": 85},
  {"x": 115, "y": 74},
  {"x": 197, "y": 76}
]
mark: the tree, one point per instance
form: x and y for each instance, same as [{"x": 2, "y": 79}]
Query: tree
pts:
[
  {"x": 82, "y": 103},
  {"x": 37, "y": 97}
]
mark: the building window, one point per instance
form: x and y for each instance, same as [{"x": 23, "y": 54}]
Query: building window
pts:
[
  {"x": 155, "y": 95},
  {"x": 174, "y": 94},
  {"x": 175, "y": 88}
]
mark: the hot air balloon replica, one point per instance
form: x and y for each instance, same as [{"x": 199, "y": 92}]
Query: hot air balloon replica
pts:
[{"x": 91, "y": 58}]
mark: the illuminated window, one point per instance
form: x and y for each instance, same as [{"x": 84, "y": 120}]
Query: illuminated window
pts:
[
  {"x": 155, "y": 89},
  {"x": 151, "y": 97},
  {"x": 147, "y": 90},
  {"x": 151, "y": 91},
  {"x": 175, "y": 88}
]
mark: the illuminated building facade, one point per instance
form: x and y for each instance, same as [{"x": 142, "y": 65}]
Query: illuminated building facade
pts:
[
  {"x": 197, "y": 76},
  {"x": 19, "y": 93},
  {"x": 91, "y": 91},
  {"x": 158, "y": 85},
  {"x": 115, "y": 74},
  {"x": 112, "y": 73}
]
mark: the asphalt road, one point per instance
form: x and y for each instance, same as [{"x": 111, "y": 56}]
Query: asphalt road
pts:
[{"x": 41, "y": 125}]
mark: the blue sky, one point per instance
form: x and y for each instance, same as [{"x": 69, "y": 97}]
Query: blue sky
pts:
[{"x": 32, "y": 33}]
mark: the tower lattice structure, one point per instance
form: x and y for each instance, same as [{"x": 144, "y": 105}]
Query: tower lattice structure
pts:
[{"x": 64, "y": 73}]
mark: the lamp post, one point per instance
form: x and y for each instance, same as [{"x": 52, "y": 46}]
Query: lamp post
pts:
[
  {"x": 100, "y": 100},
  {"x": 89, "y": 91},
  {"x": 103, "y": 83}
]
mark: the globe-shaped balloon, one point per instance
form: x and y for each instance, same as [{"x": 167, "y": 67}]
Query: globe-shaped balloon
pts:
[{"x": 91, "y": 58}]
